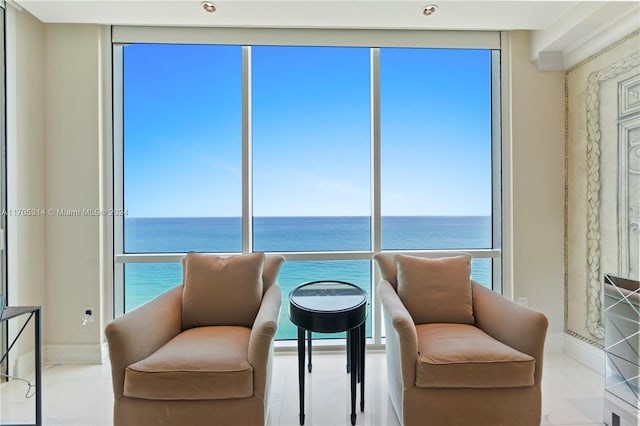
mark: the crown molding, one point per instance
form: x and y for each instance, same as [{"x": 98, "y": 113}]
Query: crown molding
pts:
[{"x": 586, "y": 29}]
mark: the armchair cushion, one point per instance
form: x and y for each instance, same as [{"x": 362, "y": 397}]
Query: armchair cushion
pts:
[
  {"x": 199, "y": 363},
  {"x": 463, "y": 356},
  {"x": 436, "y": 290},
  {"x": 221, "y": 290}
]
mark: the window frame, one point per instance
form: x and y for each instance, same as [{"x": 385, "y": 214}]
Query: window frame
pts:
[
  {"x": 299, "y": 37},
  {"x": 4, "y": 291}
]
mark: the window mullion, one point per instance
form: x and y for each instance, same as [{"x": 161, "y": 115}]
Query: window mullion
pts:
[
  {"x": 118, "y": 176},
  {"x": 247, "y": 211},
  {"x": 376, "y": 218},
  {"x": 376, "y": 215},
  {"x": 496, "y": 169}
]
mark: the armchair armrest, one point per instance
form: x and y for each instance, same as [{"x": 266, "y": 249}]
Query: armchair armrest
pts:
[
  {"x": 140, "y": 332},
  {"x": 404, "y": 331},
  {"x": 514, "y": 325},
  {"x": 262, "y": 333}
]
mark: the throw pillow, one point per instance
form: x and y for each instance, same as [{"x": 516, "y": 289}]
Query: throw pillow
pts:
[
  {"x": 436, "y": 290},
  {"x": 221, "y": 290}
]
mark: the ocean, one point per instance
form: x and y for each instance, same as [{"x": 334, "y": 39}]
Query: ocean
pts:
[{"x": 143, "y": 281}]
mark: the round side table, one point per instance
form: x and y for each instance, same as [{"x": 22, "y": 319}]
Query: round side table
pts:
[{"x": 331, "y": 307}]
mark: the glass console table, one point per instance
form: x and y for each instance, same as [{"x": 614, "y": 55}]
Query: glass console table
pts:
[{"x": 621, "y": 347}]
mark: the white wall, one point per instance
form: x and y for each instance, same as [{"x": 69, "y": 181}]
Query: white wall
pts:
[
  {"x": 537, "y": 150},
  {"x": 72, "y": 146},
  {"x": 26, "y": 252},
  {"x": 77, "y": 263},
  {"x": 55, "y": 142}
]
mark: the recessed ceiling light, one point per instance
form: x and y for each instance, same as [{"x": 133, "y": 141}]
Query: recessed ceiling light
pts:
[
  {"x": 208, "y": 6},
  {"x": 430, "y": 10}
]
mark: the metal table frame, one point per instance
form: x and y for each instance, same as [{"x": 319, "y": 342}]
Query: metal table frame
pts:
[{"x": 11, "y": 312}]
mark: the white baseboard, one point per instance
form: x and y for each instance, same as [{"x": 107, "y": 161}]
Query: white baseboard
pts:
[
  {"x": 587, "y": 354},
  {"x": 554, "y": 343},
  {"x": 24, "y": 365},
  {"x": 72, "y": 354}
]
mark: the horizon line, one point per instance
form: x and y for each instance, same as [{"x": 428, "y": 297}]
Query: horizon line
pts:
[{"x": 287, "y": 216}]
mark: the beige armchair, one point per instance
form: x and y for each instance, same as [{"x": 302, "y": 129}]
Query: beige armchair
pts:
[
  {"x": 457, "y": 352},
  {"x": 201, "y": 353}
]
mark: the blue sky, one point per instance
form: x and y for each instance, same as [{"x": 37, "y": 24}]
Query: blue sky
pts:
[{"x": 310, "y": 128}]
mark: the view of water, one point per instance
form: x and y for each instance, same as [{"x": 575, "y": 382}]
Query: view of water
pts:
[{"x": 143, "y": 281}]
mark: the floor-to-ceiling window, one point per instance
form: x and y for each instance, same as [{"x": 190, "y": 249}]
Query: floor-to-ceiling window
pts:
[
  {"x": 436, "y": 173},
  {"x": 3, "y": 218},
  {"x": 181, "y": 158},
  {"x": 323, "y": 152}
]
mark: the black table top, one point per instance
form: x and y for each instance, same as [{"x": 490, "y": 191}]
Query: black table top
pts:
[
  {"x": 327, "y": 306},
  {"x": 327, "y": 296}
]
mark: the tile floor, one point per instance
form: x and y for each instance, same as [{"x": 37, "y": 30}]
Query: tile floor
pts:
[{"x": 81, "y": 394}]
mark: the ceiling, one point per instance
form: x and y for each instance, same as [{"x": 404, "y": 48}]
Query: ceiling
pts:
[
  {"x": 485, "y": 15},
  {"x": 559, "y": 26}
]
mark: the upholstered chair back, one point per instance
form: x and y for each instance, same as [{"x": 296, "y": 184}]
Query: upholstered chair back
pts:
[{"x": 225, "y": 291}]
